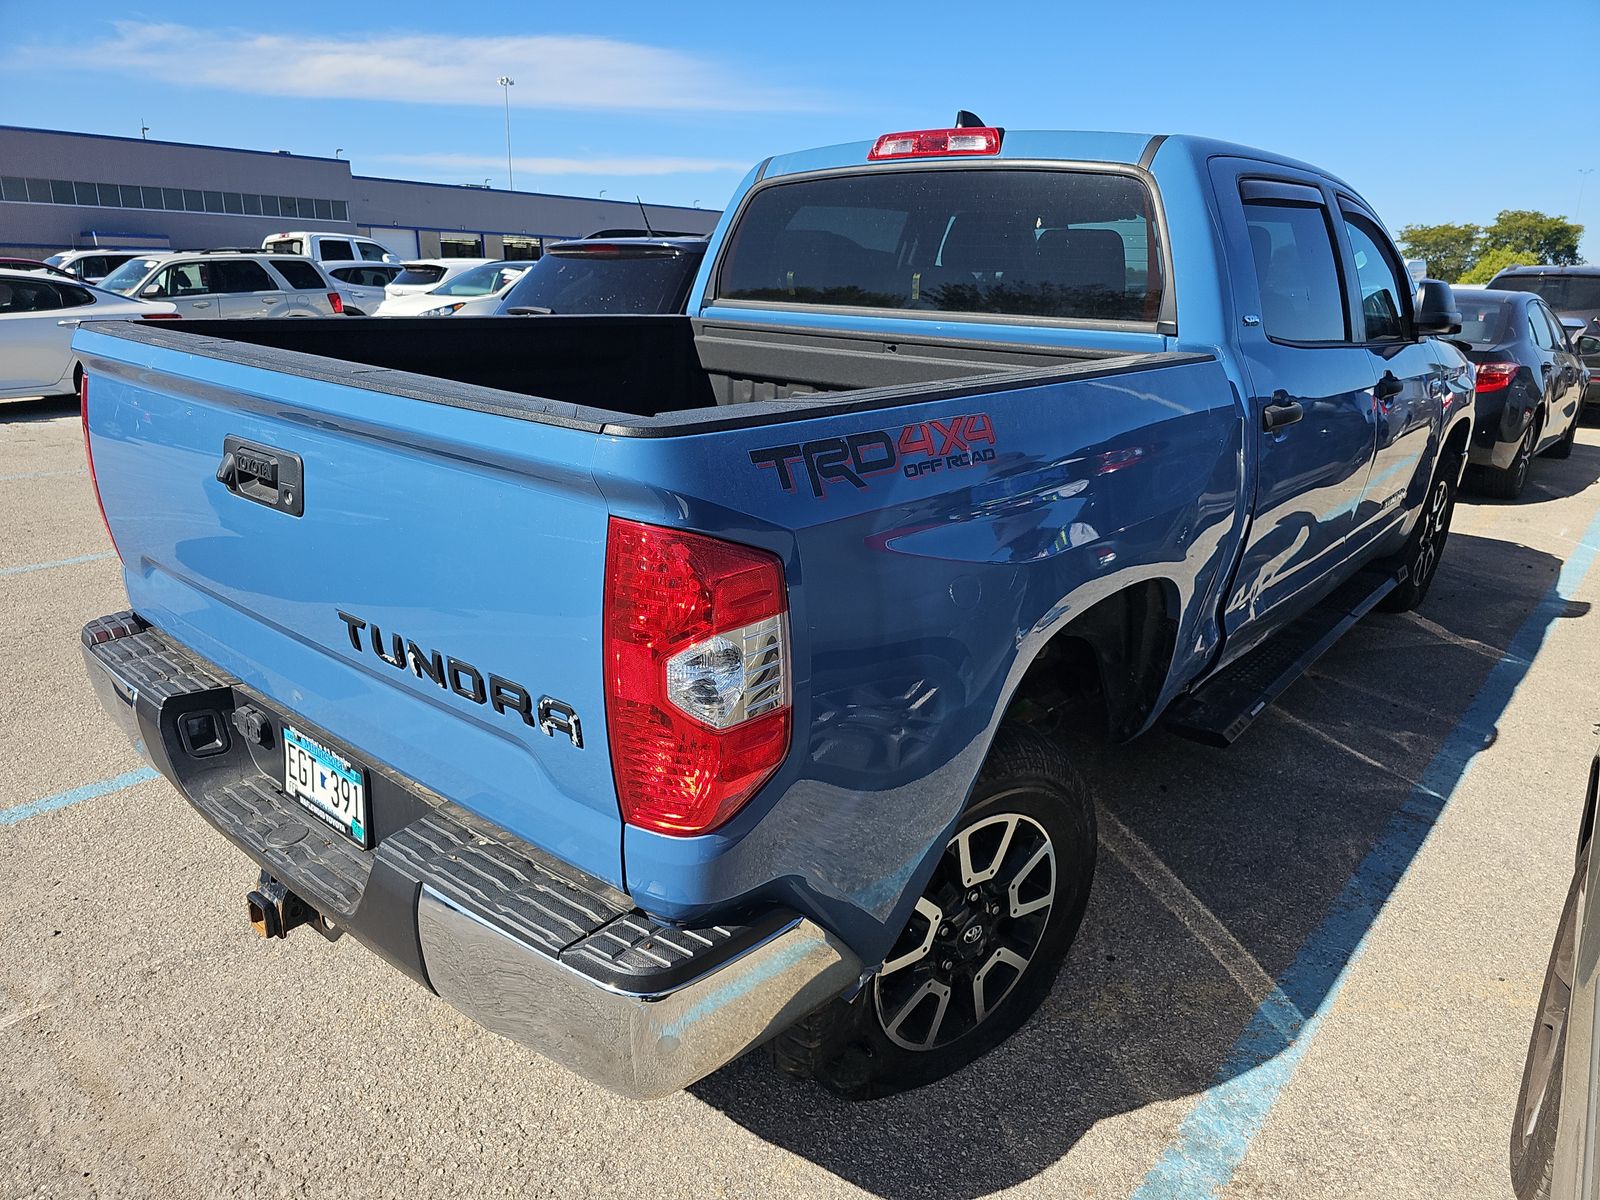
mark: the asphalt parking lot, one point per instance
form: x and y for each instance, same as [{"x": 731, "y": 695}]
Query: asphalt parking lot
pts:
[{"x": 1308, "y": 968}]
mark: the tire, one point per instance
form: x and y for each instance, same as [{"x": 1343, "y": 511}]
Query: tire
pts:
[
  {"x": 1425, "y": 547},
  {"x": 1538, "y": 1112},
  {"x": 1507, "y": 484},
  {"x": 1563, "y": 448},
  {"x": 1031, "y": 823}
]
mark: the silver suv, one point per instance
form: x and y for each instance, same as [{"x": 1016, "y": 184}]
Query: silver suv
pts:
[{"x": 229, "y": 283}]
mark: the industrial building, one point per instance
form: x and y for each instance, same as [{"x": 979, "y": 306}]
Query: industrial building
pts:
[{"x": 61, "y": 190}]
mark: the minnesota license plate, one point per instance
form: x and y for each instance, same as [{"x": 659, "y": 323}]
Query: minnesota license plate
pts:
[{"x": 326, "y": 784}]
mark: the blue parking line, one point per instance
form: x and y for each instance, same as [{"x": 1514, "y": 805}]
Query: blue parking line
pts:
[
  {"x": 89, "y": 791},
  {"x": 1213, "y": 1139},
  {"x": 60, "y": 562}
]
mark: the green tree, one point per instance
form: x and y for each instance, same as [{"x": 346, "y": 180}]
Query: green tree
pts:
[
  {"x": 1449, "y": 250},
  {"x": 1551, "y": 240},
  {"x": 1495, "y": 261}
]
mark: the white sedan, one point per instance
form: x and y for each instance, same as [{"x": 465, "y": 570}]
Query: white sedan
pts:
[
  {"x": 473, "y": 293},
  {"x": 38, "y": 315}
]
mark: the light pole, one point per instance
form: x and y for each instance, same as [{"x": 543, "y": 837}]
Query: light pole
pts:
[
  {"x": 339, "y": 153},
  {"x": 506, "y": 84}
]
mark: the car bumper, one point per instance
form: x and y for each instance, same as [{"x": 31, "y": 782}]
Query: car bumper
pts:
[{"x": 524, "y": 944}]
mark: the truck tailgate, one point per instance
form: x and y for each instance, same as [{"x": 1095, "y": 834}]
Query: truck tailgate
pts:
[{"x": 422, "y": 581}]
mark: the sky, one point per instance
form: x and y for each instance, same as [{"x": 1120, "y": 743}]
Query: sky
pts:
[{"x": 1407, "y": 102}]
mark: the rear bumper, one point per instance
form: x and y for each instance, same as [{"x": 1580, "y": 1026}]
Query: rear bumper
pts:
[{"x": 522, "y": 943}]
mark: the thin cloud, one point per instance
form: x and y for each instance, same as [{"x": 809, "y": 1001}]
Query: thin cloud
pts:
[
  {"x": 615, "y": 165},
  {"x": 551, "y": 70}
]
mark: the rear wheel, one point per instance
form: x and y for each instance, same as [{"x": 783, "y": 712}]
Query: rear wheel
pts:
[
  {"x": 1533, "y": 1132},
  {"x": 1507, "y": 483},
  {"x": 1563, "y": 448},
  {"x": 984, "y": 943}
]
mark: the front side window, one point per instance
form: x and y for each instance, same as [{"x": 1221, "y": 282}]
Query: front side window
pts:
[
  {"x": 1383, "y": 296},
  {"x": 1297, "y": 271},
  {"x": 1537, "y": 329},
  {"x": 371, "y": 251},
  {"x": 992, "y": 240},
  {"x": 181, "y": 279}
]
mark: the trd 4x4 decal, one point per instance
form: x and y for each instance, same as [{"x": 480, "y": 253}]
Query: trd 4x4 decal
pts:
[{"x": 922, "y": 448}]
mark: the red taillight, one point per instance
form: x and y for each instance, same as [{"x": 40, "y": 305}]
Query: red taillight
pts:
[
  {"x": 1491, "y": 377},
  {"x": 697, "y": 674},
  {"x": 160, "y": 316},
  {"x": 88, "y": 453},
  {"x": 920, "y": 143},
  {"x": 337, "y": 301}
]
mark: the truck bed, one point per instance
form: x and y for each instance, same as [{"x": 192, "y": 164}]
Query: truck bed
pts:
[{"x": 634, "y": 376}]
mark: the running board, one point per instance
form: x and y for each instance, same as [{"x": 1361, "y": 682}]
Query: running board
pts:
[{"x": 1222, "y": 708}]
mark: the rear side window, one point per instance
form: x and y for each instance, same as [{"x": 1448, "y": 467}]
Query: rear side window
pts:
[
  {"x": 1538, "y": 330},
  {"x": 334, "y": 250},
  {"x": 73, "y": 296},
  {"x": 302, "y": 276},
  {"x": 240, "y": 275},
  {"x": 991, "y": 240},
  {"x": 371, "y": 251},
  {"x": 28, "y": 296},
  {"x": 1383, "y": 297},
  {"x": 1297, "y": 271}
]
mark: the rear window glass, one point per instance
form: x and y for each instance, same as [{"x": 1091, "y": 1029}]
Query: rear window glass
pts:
[
  {"x": 419, "y": 275},
  {"x": 302, "y": 276},
  {"x": 1070, "y": 244},
  {"x": 1563, "y": 293},
  {"x": 565, "y": 284},
  {"x": 1483, "y": 321},
  {"x": 286, "y": 246}
]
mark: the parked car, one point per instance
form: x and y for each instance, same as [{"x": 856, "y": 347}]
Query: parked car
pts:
[
  {"x": 38, "y": 315},
  {"x": 33, "y": 264},
  {"x": 653, "y": 686},
  {"x": 425, "y": 274},
  {"x": 229, "y": 283},
  {"x": 329, "y": 247},
  {"x": 1556, "y": 1126},
  {"x": 1588, "y": 349},
  {"x": 615, "y": 275},
  {"x": 91, "y": 266},
  {"x": 1530, "y": 387},
  {"x": 474, "y": 293},
  {"x": 1573, "y": 292},
  {"x": 361, "y": 284}
]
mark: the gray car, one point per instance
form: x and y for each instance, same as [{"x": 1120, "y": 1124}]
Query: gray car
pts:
[
  {"x": 1554, "y": 1133},
  {"x": 1574, "y": 292}
]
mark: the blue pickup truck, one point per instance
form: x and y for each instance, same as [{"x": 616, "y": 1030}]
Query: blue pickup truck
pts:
[{"x": 653, "y": 687}]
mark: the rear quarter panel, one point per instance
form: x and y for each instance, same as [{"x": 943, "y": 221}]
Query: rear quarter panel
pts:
[{"x": 918, "y": 600}]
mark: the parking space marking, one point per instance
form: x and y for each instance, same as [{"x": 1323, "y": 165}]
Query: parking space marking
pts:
[
  {"x": 1436, "y": 630},
  {"x": 89, "y": 791},
  {"x": 44, "y": 474},
  {"x": 60, "y": 562},
  {"x": 1283, "y": 714},
  {"x": 1215, "y": 1136},
  {"x": 1174, "y": 895}
]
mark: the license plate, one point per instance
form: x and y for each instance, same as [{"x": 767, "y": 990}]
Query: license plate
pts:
[{"x": 326, "y": 784}]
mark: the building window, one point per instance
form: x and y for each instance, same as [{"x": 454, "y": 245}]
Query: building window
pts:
[
  {"x": 341, "y": 211},
  {"x": 269, "y": 206},
  {"x": 130, "y": 196},
  {"x": 86, "y": 193},
  {"x": 110, "y": 195},
  {"x": 13, "y": 187},
  {"x": 19, "y": 190},
  {"x": 324, "y": 210},
  {"x": 194, "y": 200},
  {"x": 460, "y": 245},
  {"x": 521, "y": 248}
]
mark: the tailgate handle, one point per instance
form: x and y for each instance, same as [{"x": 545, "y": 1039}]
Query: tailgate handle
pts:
[{"x": 263, "y": 474}]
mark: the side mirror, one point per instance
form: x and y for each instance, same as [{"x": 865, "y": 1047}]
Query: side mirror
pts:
[
  {"x": 1587, "y": 346},
  {"x": 1437, "y": 314},
  {"x": 1574, "y": 327},
  {"x": 153, "y": 290}
]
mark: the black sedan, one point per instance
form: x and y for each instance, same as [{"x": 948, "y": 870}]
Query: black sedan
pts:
[
  {"x": 608, "y": 275},
  {"x": 1530, "y": 387}
]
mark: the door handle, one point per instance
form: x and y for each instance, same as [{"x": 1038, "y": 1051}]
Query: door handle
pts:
[
  {"x": 1387, "y": 389},
  {"x": 200, "y": 304},
  {"x": 1281, "y": 412}
]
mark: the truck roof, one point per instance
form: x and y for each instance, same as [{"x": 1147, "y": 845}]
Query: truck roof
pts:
[{"x": 1065, "y": 145}]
